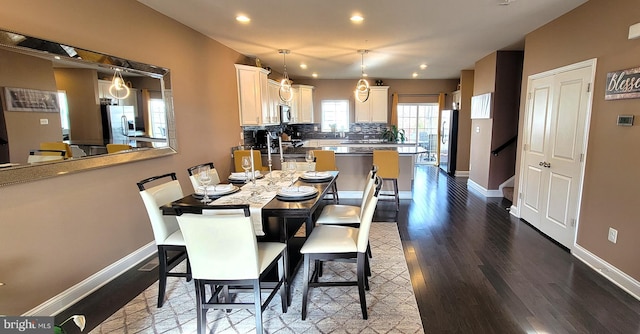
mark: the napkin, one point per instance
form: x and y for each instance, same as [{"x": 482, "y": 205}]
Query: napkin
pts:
[{"x": 241, "y": 175}]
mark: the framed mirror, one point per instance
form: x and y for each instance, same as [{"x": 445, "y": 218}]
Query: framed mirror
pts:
[{"x": 101, "y": 110}]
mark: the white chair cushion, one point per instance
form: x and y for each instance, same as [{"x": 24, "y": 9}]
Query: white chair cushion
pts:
[
  {"x": 331, "y": 239},
  {"x": 267, "y": 252},
  {"x": 339, "y": 214},
  {"x": 174, "y": 238}
]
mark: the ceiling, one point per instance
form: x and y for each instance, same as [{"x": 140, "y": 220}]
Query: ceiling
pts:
[{"x": 446, "y": 35}]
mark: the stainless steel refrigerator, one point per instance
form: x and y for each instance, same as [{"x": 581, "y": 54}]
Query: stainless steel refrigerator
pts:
[
  {"x": 449, "y": 141},
  {"x": 118, "y": 123}
]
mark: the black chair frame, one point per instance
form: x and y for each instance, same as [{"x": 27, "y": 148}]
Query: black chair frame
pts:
[{"x": 166, "y": 262}]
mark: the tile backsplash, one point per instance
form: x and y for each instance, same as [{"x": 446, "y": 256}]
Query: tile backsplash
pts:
[{"x": 356, "y": 131}]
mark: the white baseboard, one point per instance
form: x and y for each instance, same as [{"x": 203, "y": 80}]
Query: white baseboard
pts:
[
  {"x": 462, "y": 173},
  {"x": 615, "y": 275},
  {"x": 482, "y": 191},
  {"x": 515, "y": 211},
  {"x": 75, "y": 293}
]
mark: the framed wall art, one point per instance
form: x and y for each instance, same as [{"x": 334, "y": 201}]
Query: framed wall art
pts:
[{"x": 23, "y": 99}]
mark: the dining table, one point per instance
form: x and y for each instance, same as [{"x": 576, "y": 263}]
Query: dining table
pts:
[{"x": 277, "y": 211}]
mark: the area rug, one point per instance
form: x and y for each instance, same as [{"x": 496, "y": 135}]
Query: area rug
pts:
[{"x": 391, "y": 302}]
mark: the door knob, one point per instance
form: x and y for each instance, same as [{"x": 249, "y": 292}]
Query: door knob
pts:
[
  {"x": 541, "y": 164},
  {"x": 546, "y": 164}
]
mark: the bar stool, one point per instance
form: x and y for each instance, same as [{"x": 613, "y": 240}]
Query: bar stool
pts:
[
  {"x": 257, "y": 160},
  {"x": 388, "y": 163},
  {"x": 326, "y": 161}
]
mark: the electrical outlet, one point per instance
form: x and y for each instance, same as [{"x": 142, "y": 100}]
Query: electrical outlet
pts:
[
  {"x": 44, "y": 121},
  {"x": 613, "y": 235}
]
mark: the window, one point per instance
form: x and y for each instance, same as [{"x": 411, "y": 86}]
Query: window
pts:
[
  {"x": 420, "y": 123},
  {"x": 158, "y": 118},
  {"x": 335, "y": 115},
  {"x": 64, "y": 114}
]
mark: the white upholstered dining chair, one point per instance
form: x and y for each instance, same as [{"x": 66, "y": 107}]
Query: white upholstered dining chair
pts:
[
  {"x": 193, "y": 175},
  {"x": 330, "y": 242},
  {"x": 225, "y": 254},
  {"x": 166, "y": 231}
]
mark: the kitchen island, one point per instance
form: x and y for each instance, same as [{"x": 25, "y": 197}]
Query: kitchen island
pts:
[{"x": 354, "y": 162}]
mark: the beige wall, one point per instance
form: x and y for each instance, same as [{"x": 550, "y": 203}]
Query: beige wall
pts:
[
  {"x": 343, "y": 89},
  {"x": 482, "y": 129},
  {"x": 599, "y": 29},
  {"x": 464, "y": 121},
  {"x": 81, "y": 86},
  {"x": 59, "y": 231},
  {"x": 23, "y": 127}
]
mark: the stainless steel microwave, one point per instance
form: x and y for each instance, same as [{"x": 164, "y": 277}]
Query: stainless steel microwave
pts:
[{"x": 285, "y": 114}]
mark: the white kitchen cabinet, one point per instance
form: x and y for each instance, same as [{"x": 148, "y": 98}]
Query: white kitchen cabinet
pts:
[
  {"x": 456, "y": 98},
  {"x": 375, "y": 109},
  {"x": 273, "y": 116},
  {"x": 103, "y": 93},
  {"x": 253, "y": 95},
  {"x": 302, "y": 104}
]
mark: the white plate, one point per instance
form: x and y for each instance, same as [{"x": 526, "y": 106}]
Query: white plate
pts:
[
  {"x": 217, "y": 190},
  {"x": 242, "y": 176},
  {"x": 316, "y": 175},
  {"x": 295, "y": 191}
]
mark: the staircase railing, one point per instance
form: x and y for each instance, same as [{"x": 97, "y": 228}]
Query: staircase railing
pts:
[{"x": 505, "y": 145}]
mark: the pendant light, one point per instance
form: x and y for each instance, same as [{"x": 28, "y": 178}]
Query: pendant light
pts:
[
  {"x": 362, "y": 87},
  {"x": 119, "y": 88},
  {"x": 286, "y": 95}
]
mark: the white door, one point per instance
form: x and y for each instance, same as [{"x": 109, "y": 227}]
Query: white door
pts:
[{"x": 555, "y": 144}]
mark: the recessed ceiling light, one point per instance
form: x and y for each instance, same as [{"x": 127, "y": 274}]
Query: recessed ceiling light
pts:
[
  {"x": 415, "y": 74},
  {"x": 303, "y": 66},
  {"x": 57, "y": 57},
  {"x": 242, "y": 18},
  {"x": 315, "y": 75},
  {"x": 423, "y": 66},
  {"x": 357, "y": 18}
]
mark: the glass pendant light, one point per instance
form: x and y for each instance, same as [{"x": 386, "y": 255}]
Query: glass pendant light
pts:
[
  {"x": 119, "y": 88},
  {"x": 285, "y": 92},
  {"x": 362, "y": 87}
]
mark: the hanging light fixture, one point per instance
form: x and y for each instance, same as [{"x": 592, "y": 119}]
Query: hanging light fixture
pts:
[
  {"x": 286, "y": 95},
  {"x": 119, "y": 88},
  {"x": 362, "y": 87}
]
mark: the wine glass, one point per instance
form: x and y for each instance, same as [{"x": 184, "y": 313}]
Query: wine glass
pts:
[
  {"x": 204, "y": 177},
  {"x": 246, "y": 165},
  {"x": 291, "y": 169},
  {"x": 309, "y": 158}
]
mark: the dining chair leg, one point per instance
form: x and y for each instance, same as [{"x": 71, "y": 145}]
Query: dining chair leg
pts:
[
  {"x": 361, "y": 283},
  {"x": 201, "y": 311},
  {"x": 283, "y": 291},
  {"x": 397, "y": 193},
  {"x": 162, "y": 275},
  {"x": 305, "y": 287},
  {"x": 334, "y": 188},
  {"x": 258, "y": 304}
]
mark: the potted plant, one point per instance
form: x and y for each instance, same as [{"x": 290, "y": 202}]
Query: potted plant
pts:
[
  {"x": 393, "y": 135},
  {"x": 79, "y": 320}
]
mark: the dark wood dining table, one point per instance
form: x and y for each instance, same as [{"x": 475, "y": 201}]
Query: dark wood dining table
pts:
[{"x": 281, "y": 219}]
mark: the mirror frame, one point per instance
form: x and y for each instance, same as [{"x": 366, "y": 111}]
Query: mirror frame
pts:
[{"x": 28, "y": 173}]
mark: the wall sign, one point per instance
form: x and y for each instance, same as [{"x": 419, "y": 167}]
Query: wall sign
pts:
[{"x": 623, "y": 84}]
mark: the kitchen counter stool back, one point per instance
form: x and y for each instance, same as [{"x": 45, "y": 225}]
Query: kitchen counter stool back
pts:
[
  {"x": 257, "y": 160},
  {"x": 388, "y": 163},
  {"x": 166, "y": 231},
  {"x": 326, "y": 161}
]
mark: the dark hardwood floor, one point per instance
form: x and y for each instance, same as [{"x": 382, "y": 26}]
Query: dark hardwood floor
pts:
[{"x": 474, "y": 268}]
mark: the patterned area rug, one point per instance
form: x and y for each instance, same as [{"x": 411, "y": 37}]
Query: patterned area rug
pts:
[{"x": 391, "y": 302}]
